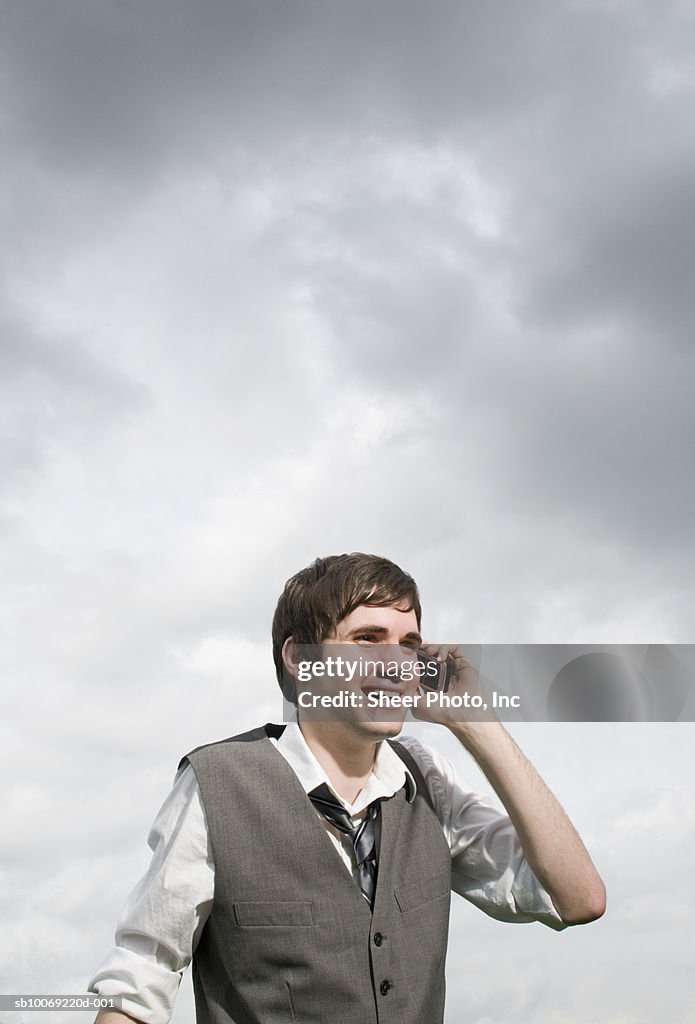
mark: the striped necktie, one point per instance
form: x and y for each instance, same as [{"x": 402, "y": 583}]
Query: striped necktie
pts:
[{"x": 363, "y": 836}]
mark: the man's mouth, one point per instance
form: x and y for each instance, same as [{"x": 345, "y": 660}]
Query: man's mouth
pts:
[{"x": 378, "y": 685}]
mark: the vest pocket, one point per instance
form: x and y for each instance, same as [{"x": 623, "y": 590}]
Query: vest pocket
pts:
[
  {"x": 274, "y": 913},
  {"x": 423, "y": 891}
]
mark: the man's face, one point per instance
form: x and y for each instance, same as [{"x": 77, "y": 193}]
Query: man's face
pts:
[{"x": 361, "y": 635}]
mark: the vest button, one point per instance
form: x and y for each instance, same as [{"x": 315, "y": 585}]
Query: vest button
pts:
[
  {"x": 378, "y": 938},
  {"x": 385, "y": 986}
]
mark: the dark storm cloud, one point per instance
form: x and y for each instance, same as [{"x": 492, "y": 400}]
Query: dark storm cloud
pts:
[
  {"x": 634, "y": 264},
  {"x": 121, "y": 82}
]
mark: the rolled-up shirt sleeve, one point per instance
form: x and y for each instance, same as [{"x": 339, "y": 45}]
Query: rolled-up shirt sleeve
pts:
[
  {"x": 488, "y": 864},
  {"x": 165, "y": 913}
]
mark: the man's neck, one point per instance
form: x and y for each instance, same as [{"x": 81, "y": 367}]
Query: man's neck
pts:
[{"x": 346, "y": 759}]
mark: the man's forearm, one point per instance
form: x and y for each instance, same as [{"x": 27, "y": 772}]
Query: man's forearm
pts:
[{"x": 551, "y": 845}]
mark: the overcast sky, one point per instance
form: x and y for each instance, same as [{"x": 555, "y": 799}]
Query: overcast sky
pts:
[{"x": 281, "y": 279}]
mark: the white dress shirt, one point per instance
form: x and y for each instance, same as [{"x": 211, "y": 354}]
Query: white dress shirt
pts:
[{"x": 164, "y": 915}]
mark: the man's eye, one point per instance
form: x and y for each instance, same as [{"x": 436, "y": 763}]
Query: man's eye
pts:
[{"x": 365, "y": 636}]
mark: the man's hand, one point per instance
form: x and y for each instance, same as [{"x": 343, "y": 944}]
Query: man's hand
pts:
[{"x": 469, "y": 699}]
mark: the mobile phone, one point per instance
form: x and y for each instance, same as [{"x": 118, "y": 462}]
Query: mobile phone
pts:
[{"x": 436, "y": 675}]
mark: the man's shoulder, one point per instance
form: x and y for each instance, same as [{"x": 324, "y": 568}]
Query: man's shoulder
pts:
[
  {"x": 220, "y": 747},
  {"x": 422, "y": 754},
  {"x": 436, "y": 770},
  {"x": 420, "y": 761}
]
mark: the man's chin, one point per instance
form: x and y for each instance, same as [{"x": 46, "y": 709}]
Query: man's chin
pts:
[{"x": 380, "y": 730}]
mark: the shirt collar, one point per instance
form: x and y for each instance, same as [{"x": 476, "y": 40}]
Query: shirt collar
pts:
[{"x": 388, "y": 775}]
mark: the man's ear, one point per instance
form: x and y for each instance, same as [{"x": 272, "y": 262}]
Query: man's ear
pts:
[
  {"x": 290, "y": 666},
  {"x": 290, "y": 657}
]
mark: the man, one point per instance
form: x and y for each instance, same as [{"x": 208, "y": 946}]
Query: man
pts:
[{"x": 245, "y": 879}]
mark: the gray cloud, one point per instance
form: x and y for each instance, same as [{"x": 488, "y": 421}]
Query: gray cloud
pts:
[{"x": 52, "y": 389}]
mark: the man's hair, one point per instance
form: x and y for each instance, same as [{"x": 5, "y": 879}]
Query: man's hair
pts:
[{"x": 317, "y": 598}]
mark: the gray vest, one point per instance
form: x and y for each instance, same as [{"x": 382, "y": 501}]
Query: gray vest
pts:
[{"x": 290, "y": 937}]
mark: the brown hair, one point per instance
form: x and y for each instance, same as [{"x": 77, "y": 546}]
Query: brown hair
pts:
[{"x": 317, "y": 598}]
